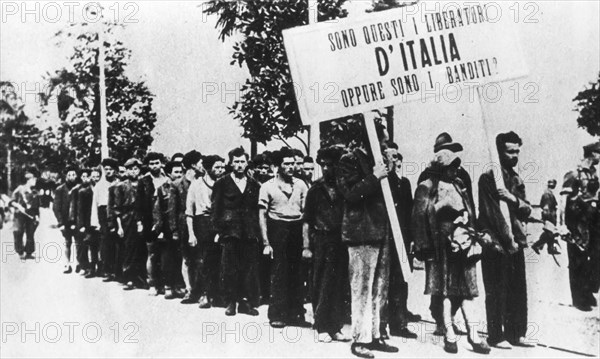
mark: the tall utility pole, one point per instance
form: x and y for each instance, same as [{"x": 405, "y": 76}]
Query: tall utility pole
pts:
[
  {"x": 314, "y": 131},
  {"x": 103, "y": 112}
]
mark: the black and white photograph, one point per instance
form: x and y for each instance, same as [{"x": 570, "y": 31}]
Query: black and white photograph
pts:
[{"x": 299, "y": 179}]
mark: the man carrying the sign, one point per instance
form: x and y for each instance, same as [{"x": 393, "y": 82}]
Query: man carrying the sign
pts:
[
  {"x": 504, "y": 270},
  {"x": 366, "y": 231}
]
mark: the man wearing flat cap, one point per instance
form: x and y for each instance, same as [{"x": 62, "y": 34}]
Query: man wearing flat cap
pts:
[{"x": 579, "y": 192}]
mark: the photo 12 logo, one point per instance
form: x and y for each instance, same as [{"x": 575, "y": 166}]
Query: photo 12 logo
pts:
[
  {"x": 68, "y": 11},
  {"x": 69, "y": 332}
]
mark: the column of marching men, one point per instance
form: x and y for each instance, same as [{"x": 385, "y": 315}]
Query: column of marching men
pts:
[{"x": 237, "y": 233}]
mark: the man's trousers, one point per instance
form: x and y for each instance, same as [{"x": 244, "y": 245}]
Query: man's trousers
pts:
[{"x": 369, "y": 269}]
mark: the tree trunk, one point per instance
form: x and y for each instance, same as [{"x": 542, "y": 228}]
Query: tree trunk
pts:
[{"x": 253, "y": 148}]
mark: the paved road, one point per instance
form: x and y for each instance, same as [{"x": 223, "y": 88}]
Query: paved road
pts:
[{"x": 45, "y": 313}]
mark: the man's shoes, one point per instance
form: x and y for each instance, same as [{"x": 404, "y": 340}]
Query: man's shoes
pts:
[
  {"x": 90, "y": 274},
  {"x": 583, "y": 307},
  {"x": 109, "y": 278},
  {"x": 412, "y": 317},
  {"x": 246, "y": 308},
  {"x": 361, "y": 351},
  {"x": 158, "y": 291},
  {"x": 324, "y": 338},
  {"x": 171, "y": 294},
  {"x": 85, "y": 273},
  {"x": 278, "y": 324},
  {"x": 450, "y": 347},
  {"x": 404, "y": 333},
  {"x": 218, "y": 302},
  {"x": 29, "y": 256},
  {"x": 23, "y": 256},
  {"x": 67, "y": 269},
  {"x": 503, "y": 344},
  {"x": 381, "y": 346},
  {"x": 230, "y": 311},
  {"x": 142, "y": 284},
  {"x": 482, "y": 347},
  {"x": 204, "y": 303},
  {"x": 189, "y": 299},
  {"x": 77, "y": 268},
  {"x": 339, "y": 337},
  {"x": 300, "y": 322},
  {"x": 129, "y": 286},
  {"x": 522, "y": 342}
]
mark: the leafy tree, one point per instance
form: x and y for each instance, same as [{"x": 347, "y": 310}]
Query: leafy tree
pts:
[
  {"x": 588, "y": 106},
  {"x": 267, "y": 108},
  {"x": 19, "y": 137},
  {"x": 130, "y": 115}
]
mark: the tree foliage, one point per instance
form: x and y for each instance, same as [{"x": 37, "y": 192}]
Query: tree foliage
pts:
[
  {"x": 588, "y": 106},
  {"x": 267, "y": 108},
  {"x": 130, "y": 116}
]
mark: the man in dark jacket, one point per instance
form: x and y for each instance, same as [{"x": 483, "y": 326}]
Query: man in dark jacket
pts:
[
  {"x": 166, "y": 246},
  {"x": 504, "y": 271},
  {"x": 396, "y": 312},
  {"x": 129, "y": 227},
  {"x": 235, "y": 218},
  {"x": 147, "y": 190},
  {"x": 366, "y": 231},
  {"x": 88, "y": 248},
  {"x": 81, "y": 248},
  {"x": 579, "y": 197},
  {"x": 323, "y": 243},
  {"x": 60, "y": 207}
]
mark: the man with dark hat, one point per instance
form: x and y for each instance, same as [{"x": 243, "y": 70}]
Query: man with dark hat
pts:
[
  {"x": 578, "y": 193},
  {"x": 445, "y": 142}
]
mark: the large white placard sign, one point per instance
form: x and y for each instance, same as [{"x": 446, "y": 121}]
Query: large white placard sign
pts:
[{"x": 380, "y": 59}]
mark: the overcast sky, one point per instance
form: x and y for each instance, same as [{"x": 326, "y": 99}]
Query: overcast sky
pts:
[{"x": 176, "y": 51}]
